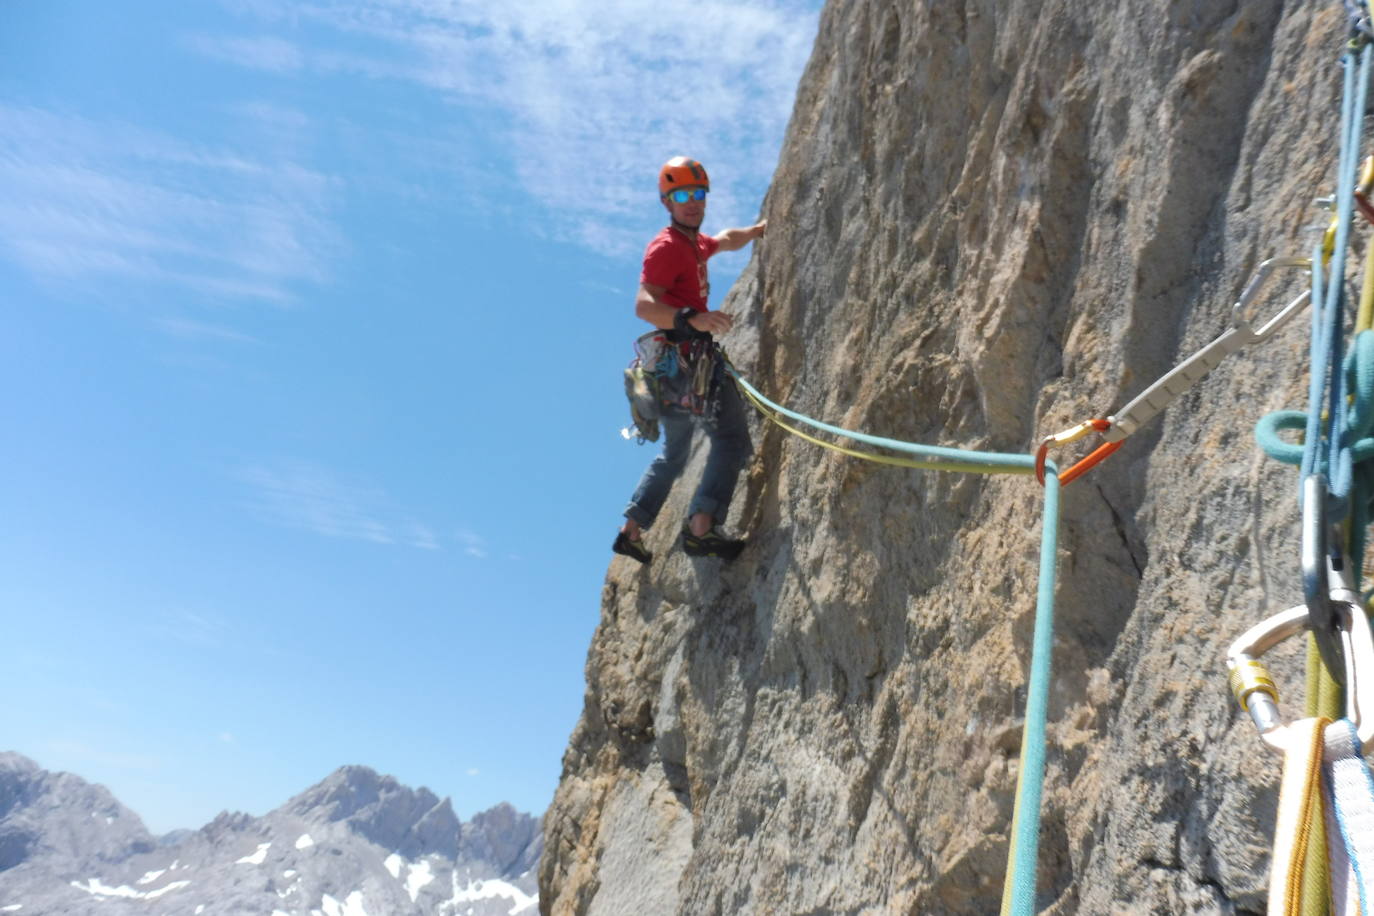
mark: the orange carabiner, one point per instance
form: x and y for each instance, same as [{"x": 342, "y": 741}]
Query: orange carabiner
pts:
[{"x": 1073, "y": 435}]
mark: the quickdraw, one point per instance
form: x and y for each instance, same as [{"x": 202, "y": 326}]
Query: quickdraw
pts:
[{"x": 1166, "y": 390}]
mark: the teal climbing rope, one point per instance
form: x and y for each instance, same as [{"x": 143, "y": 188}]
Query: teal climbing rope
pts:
[
  {"x": 986, "y": 462},
  {"x": 1018, "y": 895}
]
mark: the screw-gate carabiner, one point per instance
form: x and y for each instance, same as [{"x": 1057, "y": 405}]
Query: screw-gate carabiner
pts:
[{"x": 1255, "y": 690}]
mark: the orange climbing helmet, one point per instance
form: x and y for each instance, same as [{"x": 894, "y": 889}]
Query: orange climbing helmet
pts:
[{"x": 681, "y": 172}]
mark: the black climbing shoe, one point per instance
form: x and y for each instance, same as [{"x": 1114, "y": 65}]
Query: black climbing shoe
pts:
[
  {"x": 632, "y": 549},
  {"x": 713, "y": 543}
]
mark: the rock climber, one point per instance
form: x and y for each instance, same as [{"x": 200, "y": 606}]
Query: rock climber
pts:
[{"x": 673, "y": 290}]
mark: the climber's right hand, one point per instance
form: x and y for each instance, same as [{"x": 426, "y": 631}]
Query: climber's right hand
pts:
[{"x": 711, "y": 322}]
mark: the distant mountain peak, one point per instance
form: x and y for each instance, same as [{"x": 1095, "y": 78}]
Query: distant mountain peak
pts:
[
  {"x": 13, "y": 760},
  {"x": 355, "y": 842},
  {"x": 61, "y": 814},
  {"x": 412, "y": 822}
]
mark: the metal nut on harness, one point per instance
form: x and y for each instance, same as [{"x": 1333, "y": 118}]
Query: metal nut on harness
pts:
[{"x": 1255, "y": 690}]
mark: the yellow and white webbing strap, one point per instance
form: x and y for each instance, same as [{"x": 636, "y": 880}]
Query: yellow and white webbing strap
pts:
[
  {"x": 1300, "y": 806},
  {"x": 1349, "y": 818}
]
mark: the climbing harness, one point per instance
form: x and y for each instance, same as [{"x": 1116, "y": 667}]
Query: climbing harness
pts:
[
  {"x": 1146, "y": 405},
  {"x": 665, "y": 372}
]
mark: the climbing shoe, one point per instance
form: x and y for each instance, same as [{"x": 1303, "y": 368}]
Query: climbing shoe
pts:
[
  {"x": 635, "y": 550},
  {"x": 713, "y": 543}
]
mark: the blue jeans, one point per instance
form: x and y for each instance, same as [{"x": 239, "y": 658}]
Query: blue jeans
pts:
[{"x": 730, "y": 447}]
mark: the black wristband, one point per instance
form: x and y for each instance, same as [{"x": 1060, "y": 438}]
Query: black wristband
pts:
[{"x": 682, "y": 321}]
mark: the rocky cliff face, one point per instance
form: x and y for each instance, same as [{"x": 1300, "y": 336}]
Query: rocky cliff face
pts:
[{"x": 989, "y": 221}]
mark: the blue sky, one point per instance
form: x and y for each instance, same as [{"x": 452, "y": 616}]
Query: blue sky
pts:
[{"x": 314, "y": 317}]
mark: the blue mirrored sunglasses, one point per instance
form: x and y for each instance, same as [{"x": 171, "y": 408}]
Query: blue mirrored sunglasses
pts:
[{"x": 682, "y": 195}]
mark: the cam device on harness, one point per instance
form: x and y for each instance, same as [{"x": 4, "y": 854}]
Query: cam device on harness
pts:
[
  {"x": 668, "y": 372},
  {"x": 642, "y": 391}
]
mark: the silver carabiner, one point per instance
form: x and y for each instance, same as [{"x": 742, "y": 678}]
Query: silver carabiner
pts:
[
  {"x": 1324, "y": 578},
  {"x": 1249, "y": 335},
  {"x": 1257, "y": 694}
]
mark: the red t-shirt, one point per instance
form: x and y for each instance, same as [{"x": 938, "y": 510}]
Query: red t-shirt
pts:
[{"x": 672, "y": 262}]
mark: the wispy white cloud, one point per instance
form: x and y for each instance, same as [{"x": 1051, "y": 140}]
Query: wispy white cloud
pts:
[
  {"x": 473, "y": 544},
  {"x": 589, "y": 95},
  {"x": 198, "y": 629},
  {"x": 418, "y": 535},
  {"x": 262, "y": 53},
  {"x": 197, "y": 330},
  {"x": 304, "y": 496},
  {"x": 85, "y": 202}
]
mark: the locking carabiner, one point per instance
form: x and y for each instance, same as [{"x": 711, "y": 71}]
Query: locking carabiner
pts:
[{"x": 1255, "y": 690}]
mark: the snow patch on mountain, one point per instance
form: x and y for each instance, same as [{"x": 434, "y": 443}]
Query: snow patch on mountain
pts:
[
  {"x": 352, "y": 906},
  {"x": 420, "y": 875},
  {"x": 256, "y": 858},
  {"x": 490, "y": 889},
  {"x": 96, "y": 888}
]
